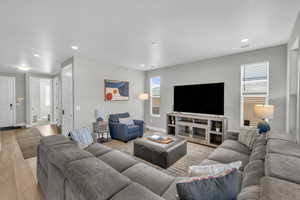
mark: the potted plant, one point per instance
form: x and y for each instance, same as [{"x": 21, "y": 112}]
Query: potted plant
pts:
[{"x": 218, "y": 127}]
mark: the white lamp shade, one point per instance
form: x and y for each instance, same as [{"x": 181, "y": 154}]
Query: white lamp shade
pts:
[
  {"x": 144, "y": 96},
  {"x": 264, "y": 111},
  {"x": 99, "y": 114}
]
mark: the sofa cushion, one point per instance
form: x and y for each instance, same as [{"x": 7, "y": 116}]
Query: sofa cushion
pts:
[
  {"x": 171, "y": 192},
  {"x": 283, "y": 167},
  {"x": 133, "y": 128},
  {"x": 62, "y": 154},
  {"x": 52, "y": 140},
  {"x": 281, "y": 136},
  {"x": 153, "y": 179},
  {"x": 236, "y": 146},
  {"x": 249, "y": 193},
  {"x": 253, "y": 172},
  {"x": 258, "y": 153},
  {"x": 118, "y": 160},
  {"x": 94, "y": 179},
  {"x": 283, "y": 147},
  {"x": 273, "y": 188},
  {"x": 136, "y": 192},
  {"x": 98, "y": 149},
  {"x": 227, "y": 156}
]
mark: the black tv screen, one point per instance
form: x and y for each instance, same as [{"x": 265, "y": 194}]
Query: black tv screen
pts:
[{"x": 203, "y": 98}]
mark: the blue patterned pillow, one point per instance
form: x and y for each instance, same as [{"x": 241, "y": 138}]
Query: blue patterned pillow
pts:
[{"x": 222, "y": 187}]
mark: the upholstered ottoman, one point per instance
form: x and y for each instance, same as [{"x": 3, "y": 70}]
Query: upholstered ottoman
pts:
[{"x": 163, "y": 155}]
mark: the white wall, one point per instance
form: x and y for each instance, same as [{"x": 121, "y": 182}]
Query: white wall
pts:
[
  {"x": 89, "y": 79},
  {"x": 224, "y": 69}
]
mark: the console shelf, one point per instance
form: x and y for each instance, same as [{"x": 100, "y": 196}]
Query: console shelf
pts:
[{"x": 203, "y": 129}]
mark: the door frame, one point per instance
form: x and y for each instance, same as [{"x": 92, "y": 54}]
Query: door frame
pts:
[
  {"x": 13, "y": 78},
  {"x": 68, "y": 63},
  {"x": 30, "y": 97}
]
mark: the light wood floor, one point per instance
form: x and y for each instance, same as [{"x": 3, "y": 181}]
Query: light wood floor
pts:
[{"x": 18, "y": 176}]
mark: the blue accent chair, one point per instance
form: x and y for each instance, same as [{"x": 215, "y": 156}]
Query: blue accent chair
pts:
[{"x": 124, "y": 132}]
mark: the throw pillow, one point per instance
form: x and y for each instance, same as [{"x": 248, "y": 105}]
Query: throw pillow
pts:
[
  {"x": 221, "y": 187},
  {"x": 212, "y": 170},
  {"x": 127, "y": 121},
  {"x": 247, "y": 137}
]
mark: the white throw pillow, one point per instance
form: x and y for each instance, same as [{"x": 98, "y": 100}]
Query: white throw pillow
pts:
[
  {"x": 212, "y": 170},
  {"x": 127, "y": 121},
  {"x": 247, "y": 136}
]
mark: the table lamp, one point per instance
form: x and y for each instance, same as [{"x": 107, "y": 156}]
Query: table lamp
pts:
[
  {"x": 144, "y": 96},
  {"x": 99, "y": 115},
  {"x": 264, "y": 112}
]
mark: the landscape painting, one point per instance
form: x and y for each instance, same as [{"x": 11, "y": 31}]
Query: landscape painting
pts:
[{"x": 116, "y": 90}]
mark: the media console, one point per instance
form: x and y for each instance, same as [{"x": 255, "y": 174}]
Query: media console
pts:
[{"x": 203, "y": 129}]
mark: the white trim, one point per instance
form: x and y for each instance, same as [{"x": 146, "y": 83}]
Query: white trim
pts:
[
  {"x": 156, "y": 129},
  {"x": 20, "y": 124},
  {"x": 28, "y": 125}
]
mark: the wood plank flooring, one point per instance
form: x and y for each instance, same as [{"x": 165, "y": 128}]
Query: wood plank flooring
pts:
[{"x": 18, "y": 176}]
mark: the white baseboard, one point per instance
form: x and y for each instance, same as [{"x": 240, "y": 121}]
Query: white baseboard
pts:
[
  {"x": 28, "y": 126},
  {"x": 156, "y": 129},
  {"x": 21, "y": 124}
]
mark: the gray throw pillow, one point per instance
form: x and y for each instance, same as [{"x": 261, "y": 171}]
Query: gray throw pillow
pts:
[
  {"x": 127, "y": 121},
  {"x": 223, "y": 187},
  {"x": 247, "y": 137}
]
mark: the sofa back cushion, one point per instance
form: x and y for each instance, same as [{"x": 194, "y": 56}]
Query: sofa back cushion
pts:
[
  {"x": 253, "y": 172},
  {"x": 91, "y": 178},
  {"x": 114, "y": 118}
]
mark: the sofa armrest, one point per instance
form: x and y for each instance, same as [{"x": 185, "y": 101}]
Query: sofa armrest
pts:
[
  {"x": 138, "y": 122},
  {"x": 231, "y": 135}
]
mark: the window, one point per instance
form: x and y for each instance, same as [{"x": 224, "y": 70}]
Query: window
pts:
[
  {"x": 254, "y": 90},
  {"x": 155, "y": 96}
]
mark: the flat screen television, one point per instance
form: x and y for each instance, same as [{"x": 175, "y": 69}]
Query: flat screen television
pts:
[{"x": 202, "y": 98}]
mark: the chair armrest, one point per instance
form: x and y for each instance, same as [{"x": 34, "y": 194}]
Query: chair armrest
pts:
[
  {"x": 232, "y": 135},
  {"x": 138, "y": 122}
]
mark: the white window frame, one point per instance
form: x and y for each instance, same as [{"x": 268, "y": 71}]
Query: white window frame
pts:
[
  {"x": 154, "y": 115},
  {"x": 266, "y": 63}
]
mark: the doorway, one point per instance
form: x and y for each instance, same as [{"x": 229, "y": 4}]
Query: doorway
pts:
[
  {"x": 67, "y": 99},
  {"x": 41, "y": 101},
  {"x": 7, "y": 101}
]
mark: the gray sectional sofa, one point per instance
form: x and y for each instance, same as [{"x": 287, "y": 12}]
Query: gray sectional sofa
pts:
[{"x": 66, "y": 172}]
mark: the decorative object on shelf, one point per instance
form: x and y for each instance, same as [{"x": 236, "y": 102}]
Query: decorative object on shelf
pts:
[
  {"x": 101, "y": 130},
  {"x": 144, "y": 96},
  {"x": 116, "y": 90},
  {"x": 264, "y": 112},
  {"x": 99, "y": 115},
  {"x": 218, "y": 127}
]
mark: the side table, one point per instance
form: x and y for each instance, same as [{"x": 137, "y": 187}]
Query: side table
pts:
[{"x": 101, "y": 130}]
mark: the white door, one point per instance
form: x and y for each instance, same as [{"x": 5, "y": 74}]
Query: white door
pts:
[
  {"x": 67, "y": 99},
  {"x": 7, "y": 103}
]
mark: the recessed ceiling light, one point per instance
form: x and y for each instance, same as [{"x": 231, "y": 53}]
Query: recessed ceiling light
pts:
[
  {"x": 142, "y": 65},
  {"x": 75, "y": 47},
  {"x": 245, "y": 40},
  {"x": 36, "y": 55},
  {"x": 23, "y": 68}
]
